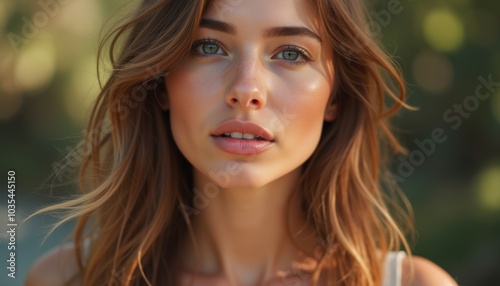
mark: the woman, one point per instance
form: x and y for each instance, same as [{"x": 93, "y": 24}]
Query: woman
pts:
[{"x": 243, "y": 147}]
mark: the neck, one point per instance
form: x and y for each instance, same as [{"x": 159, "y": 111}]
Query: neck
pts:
[{"x": 246, "y": 234}]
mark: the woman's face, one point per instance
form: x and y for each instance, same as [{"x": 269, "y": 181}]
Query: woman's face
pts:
[{"x": 258, "y": 69}]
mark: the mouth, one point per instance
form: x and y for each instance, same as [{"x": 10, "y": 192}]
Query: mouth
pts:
[
  {"x": 245, "y": 130},
  {"x": 243, "y": 136}
]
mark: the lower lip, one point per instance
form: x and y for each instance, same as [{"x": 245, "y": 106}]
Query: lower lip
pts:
[{"x": 241, "y": 146}]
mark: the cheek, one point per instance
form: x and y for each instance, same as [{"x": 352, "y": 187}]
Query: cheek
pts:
[
  {"x": 183, "y": 96},
  {"x": 303, "y": 119},
  {"x": 189, "y": 91},
  {"x": 304, "y": 102}
]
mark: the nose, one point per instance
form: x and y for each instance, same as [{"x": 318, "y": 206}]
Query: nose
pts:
[{"x": 248, "y": 88}]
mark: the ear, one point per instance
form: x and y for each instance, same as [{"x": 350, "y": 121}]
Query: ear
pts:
[{"x": 331, "y": 112}]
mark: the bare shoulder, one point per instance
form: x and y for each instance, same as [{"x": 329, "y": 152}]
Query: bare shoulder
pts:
[
  {"x": 425, "y": 273},
  {"x": 56, "y": 268}
]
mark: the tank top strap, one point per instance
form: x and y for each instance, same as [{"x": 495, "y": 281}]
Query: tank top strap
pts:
[{"x": 393, "y": 268}]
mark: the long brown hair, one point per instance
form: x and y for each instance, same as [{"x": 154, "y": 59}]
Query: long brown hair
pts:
[{"x": 134, "y": 179}]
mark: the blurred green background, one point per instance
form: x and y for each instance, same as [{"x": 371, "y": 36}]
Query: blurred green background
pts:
[{"x": 447, "y": 49}]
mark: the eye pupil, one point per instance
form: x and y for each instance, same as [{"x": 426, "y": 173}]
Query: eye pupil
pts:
[
  {"x": 210, "y": 48},
  {"x": 290, "y": 55}
]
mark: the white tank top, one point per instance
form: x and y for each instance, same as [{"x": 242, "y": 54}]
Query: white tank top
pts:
[{"x": 393, "y": 268}]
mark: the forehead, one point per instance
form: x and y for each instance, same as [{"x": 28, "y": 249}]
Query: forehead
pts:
[{"x": 264, "y": 12}]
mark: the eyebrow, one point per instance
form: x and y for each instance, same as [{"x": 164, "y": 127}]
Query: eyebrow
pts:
[
  {"x": 270, "y": 32},
  {"x": 218, "y": 26},
  {"x": 291, "y": 31}
]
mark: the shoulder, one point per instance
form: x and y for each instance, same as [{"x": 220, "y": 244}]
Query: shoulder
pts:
[
  {"x": 56, "y": 268},
  {"x": 418, "y": 271}
]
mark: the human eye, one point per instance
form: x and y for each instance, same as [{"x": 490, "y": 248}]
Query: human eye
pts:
[
  {"x": 207, "y": 47},
  {"x": 294, "y": 55}
]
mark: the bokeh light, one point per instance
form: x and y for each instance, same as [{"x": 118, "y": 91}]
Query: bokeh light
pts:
[
  {"x": 488, "y": 188},
  {"x": 433, "y": 72},
  {"x": 86, "y": 15},
  {"x": 443, "y": 30},
  {"x": 81, "y": 91},
  {"x": 35, "y": 65},
  {"x": 7, "y": 61}
]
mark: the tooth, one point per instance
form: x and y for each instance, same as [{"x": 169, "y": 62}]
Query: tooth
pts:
[
  {"x": 237, "y": 135},
  {"x": 248, "y": 136},
  {"x": 227, "y": 133}
]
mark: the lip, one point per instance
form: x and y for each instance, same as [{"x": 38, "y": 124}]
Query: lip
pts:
[
  {"x": 243, "y": 127},
  {"x": 242, "y": 146}
]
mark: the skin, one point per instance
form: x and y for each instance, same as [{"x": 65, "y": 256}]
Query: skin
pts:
[
  {"x": 241, "y": 231},
  {"x": 251, "y": 76},
  {"x": 247, "y": 80}
]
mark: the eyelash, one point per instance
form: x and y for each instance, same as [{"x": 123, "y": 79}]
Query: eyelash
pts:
[
  {"x": 299, "y": 50},
  {"x": 303, "y": 53},
  {"x": 198, "y": 43}
]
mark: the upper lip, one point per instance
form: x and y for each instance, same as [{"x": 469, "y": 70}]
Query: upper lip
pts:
[{"x": 248, "y": 127}]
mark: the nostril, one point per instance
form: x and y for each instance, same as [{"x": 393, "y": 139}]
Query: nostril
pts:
[
  {"x": 234, "y": 100},
  {"x": 254, "y": 101}
]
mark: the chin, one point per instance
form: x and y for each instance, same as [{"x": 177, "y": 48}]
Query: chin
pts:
[
  {"x": 257, "y": 177},
  {"x": 247, "y": 179},
  {"x": 245, "y": 185}
]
